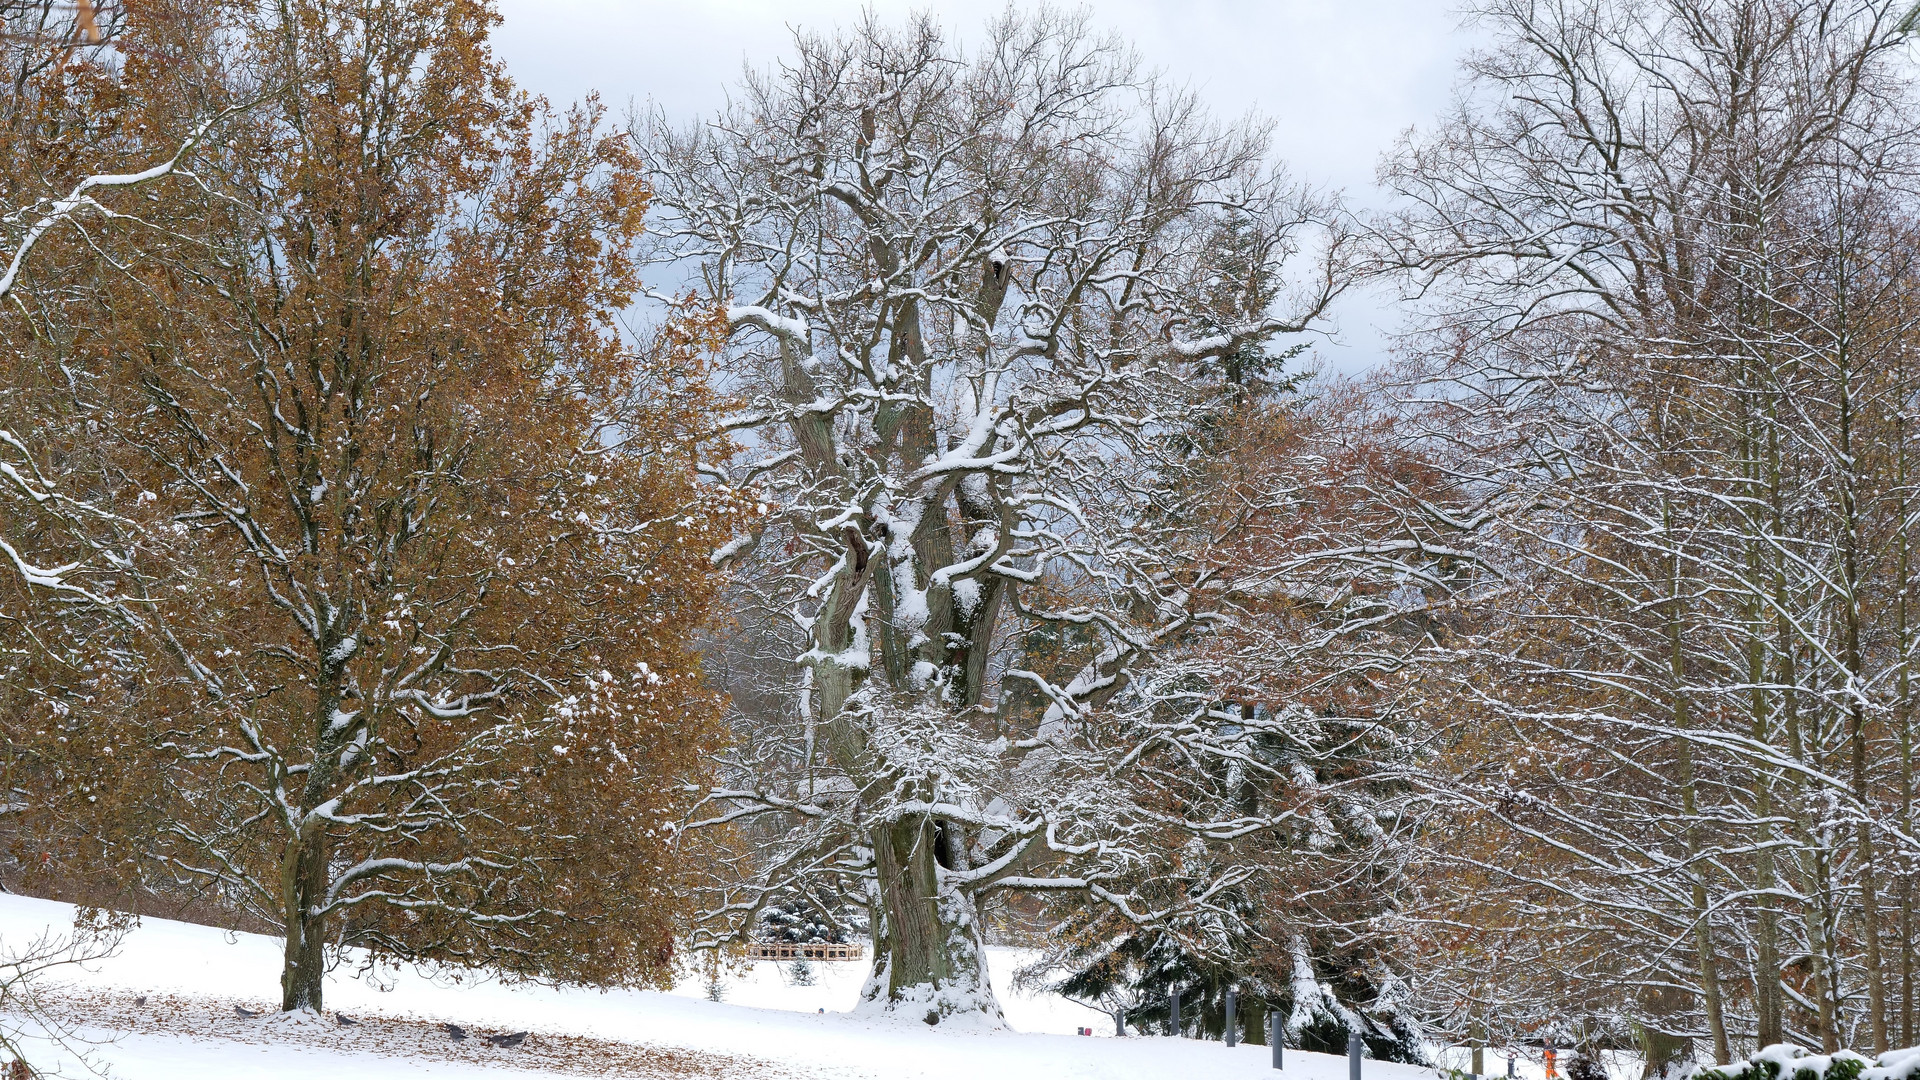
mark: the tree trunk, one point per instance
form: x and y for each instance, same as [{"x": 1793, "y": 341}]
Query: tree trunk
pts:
[
  {"x": 303, "y": 885},
  {"x": 1254, "y": 1022},
  {"x": 1903, "y": 573},
  {"x": 1768, "y": 1006},
  {"x": 1767, "y": 994},
  {"x": 1709, "y": 976},
  {"x": 304, "y": 873},
  {"x": 1854, "y": 658},
  {"x": 929, "y": 961},
  {"x": 1825, "y": 970},
  {"x": 1906, "y": 769},
  {"x": 1708, "y": 964},
  {"x": 1768, "y": 998},
  {"x": 1663, "y": 1052},
  {"x": 1870, "y": 930},
  {"x": 1906, "y": 960},
  {"x": 1766, "y": 974}
]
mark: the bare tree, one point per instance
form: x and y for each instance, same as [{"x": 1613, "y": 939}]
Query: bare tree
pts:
[
  {"x": 970, "y": 294},
  {"x": 31, "y": 1018},
  {"x": 1657, "y": 243}
]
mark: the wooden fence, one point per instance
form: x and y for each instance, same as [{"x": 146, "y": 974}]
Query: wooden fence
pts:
[{"x": 813, "y": 950}]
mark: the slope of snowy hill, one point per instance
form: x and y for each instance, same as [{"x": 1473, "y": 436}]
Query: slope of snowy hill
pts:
[{"x": 192, "y": 977}]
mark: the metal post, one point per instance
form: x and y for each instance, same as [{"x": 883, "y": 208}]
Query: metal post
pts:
[
  {"x": 1173, "y": 1012},
  {"x": 1354, "y": 1048},
  {"x": 1120, "y": 1023},
  {"x": 1510, "y": 1058},
  {"x": 1275, "y": 1029},
  {"x": 1233, "y": 1026}
]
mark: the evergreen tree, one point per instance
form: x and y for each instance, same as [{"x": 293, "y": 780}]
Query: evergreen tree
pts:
[{"x": 797, "y": 920}]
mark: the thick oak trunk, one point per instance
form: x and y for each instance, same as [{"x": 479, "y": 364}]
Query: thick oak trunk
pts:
[{"x": 929, "y": 960}]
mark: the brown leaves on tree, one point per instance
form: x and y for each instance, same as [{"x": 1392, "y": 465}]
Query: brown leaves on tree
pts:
[{"x": 406, "y": 544}]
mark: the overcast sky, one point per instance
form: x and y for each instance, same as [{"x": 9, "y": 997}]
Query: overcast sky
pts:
[{"x": 1341, "y": 80}]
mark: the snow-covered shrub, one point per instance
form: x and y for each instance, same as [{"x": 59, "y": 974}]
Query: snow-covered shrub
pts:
[
  {"x": 1586, "y": 1067},
  {"x": 1783, "y": 1062},
  {"x": 1895, "y": 1065}
]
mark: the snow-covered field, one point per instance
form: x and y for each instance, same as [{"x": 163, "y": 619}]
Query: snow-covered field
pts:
[{"x": 192, "y": 977}]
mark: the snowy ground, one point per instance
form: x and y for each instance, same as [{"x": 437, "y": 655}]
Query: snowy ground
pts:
[{"x": 192, "y": 977}]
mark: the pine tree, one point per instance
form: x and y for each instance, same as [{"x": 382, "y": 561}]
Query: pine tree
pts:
[
  {"x": 799, "y": 921},
  {"x": 1290, "y": 709}
]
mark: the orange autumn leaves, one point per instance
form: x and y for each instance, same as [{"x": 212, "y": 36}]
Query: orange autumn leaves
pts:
[{"x": 412, "y": 531}]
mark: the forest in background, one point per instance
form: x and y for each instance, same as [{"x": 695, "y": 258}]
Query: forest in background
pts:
[{"x": 901, "y": 508}]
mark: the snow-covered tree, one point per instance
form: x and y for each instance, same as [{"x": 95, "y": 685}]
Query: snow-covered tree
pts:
[
  {"x": 1665, "y": 249},
  {"x": 970, "y": 294},
  {"x": 1290, "y": 717},
  {"x": 414, "y": 534},
  {"x": 53, "y": 190},
  {"x": 799, "y": 921}
]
